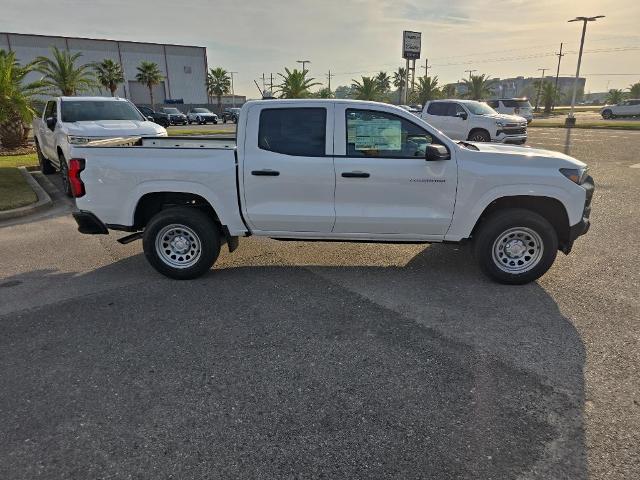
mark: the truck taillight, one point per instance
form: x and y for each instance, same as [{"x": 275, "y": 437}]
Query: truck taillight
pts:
[{"x": 76, "y": 165}]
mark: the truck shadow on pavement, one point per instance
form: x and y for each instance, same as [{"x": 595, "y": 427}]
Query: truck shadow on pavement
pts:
[{"x": 421, "y": 371}]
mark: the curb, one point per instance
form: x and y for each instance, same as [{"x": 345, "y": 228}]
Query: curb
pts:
[{"x": 43, "y": 202}]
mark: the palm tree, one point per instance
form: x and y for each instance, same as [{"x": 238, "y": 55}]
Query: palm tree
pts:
[
  {"x": 150, "y": 75},
  {"x": 399, "y": 79},
  {"x": 368, "y": 89},
  {"x": 109, "y": 74},
  {"x": 384, "y": 81},
  {"x": 16, "y": 96},
  {"x": 634, "y": 90},
  {"x": 295, "y": 84},
  {"x": 449, "y": 91},
  {"x": 478, "y": 86},
  {"x": 62, "y": 75},
  {"x": 218, "y": 84},
  {"x": 615, "y": 96},
  {"x": 427, "y": 89},
  {"x": 549, "y": 96},
  {"x": 324, "y": 93}
]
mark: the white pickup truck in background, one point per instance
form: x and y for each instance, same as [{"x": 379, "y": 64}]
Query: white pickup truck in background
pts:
[
  {"x": 67, "y": 121},
  {"x": 332, "y": 170},
  {"x": 474, "y": 121}
]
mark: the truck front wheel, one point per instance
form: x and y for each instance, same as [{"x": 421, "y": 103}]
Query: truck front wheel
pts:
[
  {"x": 515, "y": 246},
  {"x": 181, "y": 242},
  {"x": 479, "y": 135}
]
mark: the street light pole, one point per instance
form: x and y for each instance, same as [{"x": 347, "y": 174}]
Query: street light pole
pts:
[
  {"x": 233, "y": 94},
  {"x": 303, "y": 62},
  {"x": 571, "y": 120}
]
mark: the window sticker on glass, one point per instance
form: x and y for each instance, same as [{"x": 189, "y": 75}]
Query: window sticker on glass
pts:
[{"x": 376, "y": 134}]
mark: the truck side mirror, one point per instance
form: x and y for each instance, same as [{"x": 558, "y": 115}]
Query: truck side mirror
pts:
[
  {"x": 434, "y": 152},
  {"x": 150, "y": 118},
  {"x": 462, "y": 115},
  {"x": 51, "y": 123}
]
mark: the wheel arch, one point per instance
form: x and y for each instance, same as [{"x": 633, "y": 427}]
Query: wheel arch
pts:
[
  {"x": 552, "y": 209},
  {"x": 478, "y": 129}
]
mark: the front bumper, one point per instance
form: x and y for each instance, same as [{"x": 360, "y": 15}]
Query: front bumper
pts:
[
  {"x": 515, "y": 139},
  {"x": 584, "y": 224},
  {"x": 89, "y": 223}
]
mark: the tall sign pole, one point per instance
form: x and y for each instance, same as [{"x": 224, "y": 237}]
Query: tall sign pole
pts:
[{"x": 411, "y": 44}]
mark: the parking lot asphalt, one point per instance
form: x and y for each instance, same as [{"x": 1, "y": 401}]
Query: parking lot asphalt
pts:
[{"x": 326, "y": 360}]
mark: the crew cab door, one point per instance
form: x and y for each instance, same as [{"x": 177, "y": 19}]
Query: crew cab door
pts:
[
  {"x": 384, "y": 184},
  {"x": 288, "y": 173}
]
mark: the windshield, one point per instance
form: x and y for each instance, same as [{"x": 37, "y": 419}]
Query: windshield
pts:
[
  {"x": 171, "y": 110},
  {"x": 88, "y": 111},
  {"x": 479, "y": 108},
  {"x": 200, "y": 110},
  {"x": 516, "y": 103}
]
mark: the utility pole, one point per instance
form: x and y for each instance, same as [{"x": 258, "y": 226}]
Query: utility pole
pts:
[
  {"x": 426, "y": 67},
  {"x": 470, "y": 72},
  {"x": 271, "y": 84},
  {"x": 303, "y": 62},
  {"x": 539, "y": 87},
  {"x": 264, "y": 86},
  {"x": 571, "y": 120},
  {"x": 329, "y": 75},
  {"x": 555, "y": 90},
  {"x": 233, "y": 93}
]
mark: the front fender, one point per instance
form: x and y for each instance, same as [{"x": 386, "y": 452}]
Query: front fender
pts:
[{"x": 467, "y": 213}]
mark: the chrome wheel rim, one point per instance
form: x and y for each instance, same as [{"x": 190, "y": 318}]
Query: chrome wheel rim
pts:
[
  {"x": 517, "y": 250},
  {"x": 178, "y": 246}
]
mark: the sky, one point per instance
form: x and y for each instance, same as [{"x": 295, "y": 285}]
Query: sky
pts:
[{"x": 355, "y": 38}]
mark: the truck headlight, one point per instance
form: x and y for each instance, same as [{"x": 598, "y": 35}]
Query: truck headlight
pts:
[
  {"x": 76, "y": 140},
  {"x": 576, "y": 175}
]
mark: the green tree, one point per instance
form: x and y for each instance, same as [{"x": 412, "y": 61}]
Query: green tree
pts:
[
  {"x": 384, "y": 81},
  {"x": 218, "y": 84},
  {"x": 478, "y": 86},
  {"x": 343, "y": 91},
  {"x": 109, "y": 74},
  {"x": 449, "y": 91},
  {"x": 16, "y": 99},
  {"x": 615, "y": 96},
  {"x": 323, "y": 93},
  {"x": 634, "y": 90},
  {"x": 295, "y": 84},
  {"x": 150, "y": 75},
  {"x": 62, "y": 75},
  {"x": 367, "y": 89},
  {"x": 399, "y": 79},
  {"x": 549, "y": 96},
  {"x": 427, "y": 89}
]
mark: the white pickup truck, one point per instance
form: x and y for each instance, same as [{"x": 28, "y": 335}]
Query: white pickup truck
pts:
[
  {"x": 70, "y": 121},
  {"x": 474, "y": 121},
  {"x": 335, "y": 170}
]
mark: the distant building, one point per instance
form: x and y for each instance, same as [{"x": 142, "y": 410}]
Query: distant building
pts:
[{"x": 184, "y": 67}]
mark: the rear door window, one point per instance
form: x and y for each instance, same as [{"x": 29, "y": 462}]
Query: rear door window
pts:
[
  {"x": 293, "y": 131},
  {"x": 439, "y": 109}
]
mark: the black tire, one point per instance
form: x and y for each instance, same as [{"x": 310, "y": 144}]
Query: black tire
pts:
[
  {"x": 515, "y": 229},
  {"x": 215, "y": 122},
  {"x": 198, "y": 234},
  {"x": 64, "y": 174},
  {"x": 235, "y": 119},
  {"x": 607, "y": 114},
  {"x": 45, "y": 165},
  {"x": 189, "y": 122},
  {"x": 224, "y": 120},
  {"x": 479, "y": 136}
]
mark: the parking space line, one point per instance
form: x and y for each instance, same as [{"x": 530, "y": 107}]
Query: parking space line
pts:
[{"x": 637, "y": 165}]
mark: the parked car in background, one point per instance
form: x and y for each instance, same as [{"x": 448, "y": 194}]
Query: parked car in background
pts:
[
  {"x": 176, "y": 117},
  {"x": 627, "y": 108},
  {"x": 201, "y": 116},
  {"x": 513, "y": 106},
  {"x": 411, "y": 108},
  {"x": 158, "y": 117},
  {"x": 68, "y": 121},
  {"x": 230, "y": 115},
  {"x": 475, "y": 121},
  {"x": 333, "y": 170}
]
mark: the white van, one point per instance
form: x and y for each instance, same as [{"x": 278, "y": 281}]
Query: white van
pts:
[{"x": 513, "y": 106}]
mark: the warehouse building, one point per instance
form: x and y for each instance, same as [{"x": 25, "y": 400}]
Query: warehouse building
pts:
[{"x": 184, "y": 67}]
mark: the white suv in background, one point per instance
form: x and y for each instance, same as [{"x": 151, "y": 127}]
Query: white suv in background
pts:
[
  {"x": 475, "y": 121},
  {"x": 513, "y": 106},
  {"x": 628, "y": 108}
]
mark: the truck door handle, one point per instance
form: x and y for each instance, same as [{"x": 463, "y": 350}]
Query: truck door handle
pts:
[
  {"x": 265, "y": 173},
  {"x": 355, "y": 175}
]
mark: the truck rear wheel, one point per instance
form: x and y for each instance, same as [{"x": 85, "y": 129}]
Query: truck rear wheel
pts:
[
  {"x": 181, "y": 242},
  {"x": 515, "y": 246}
]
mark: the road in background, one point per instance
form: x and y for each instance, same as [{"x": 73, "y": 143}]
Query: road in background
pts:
[{"x": 295, "y": 359}]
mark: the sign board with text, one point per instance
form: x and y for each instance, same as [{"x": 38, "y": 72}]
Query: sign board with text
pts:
[{"x": 411, "y": 42}]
